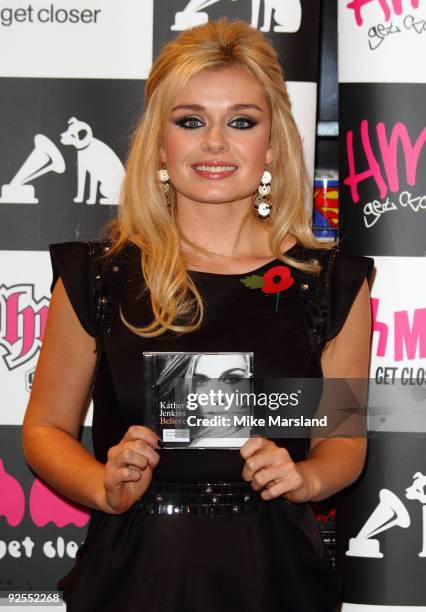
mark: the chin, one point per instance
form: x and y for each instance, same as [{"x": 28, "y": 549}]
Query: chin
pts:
[{"x": 215, "y": 198}]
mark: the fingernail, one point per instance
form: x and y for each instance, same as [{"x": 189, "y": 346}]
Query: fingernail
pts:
[{"x": 160, "y": 443}]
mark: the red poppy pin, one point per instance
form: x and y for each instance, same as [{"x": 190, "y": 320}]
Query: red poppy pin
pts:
[{"x": 274, "y": 280}]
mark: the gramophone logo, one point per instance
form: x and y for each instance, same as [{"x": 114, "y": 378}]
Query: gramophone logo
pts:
[
  {"x": 287, "y": 15},
  {"x": 390, "y": 512},
  {"x": 94, "y": 158},
  {"x": 22, "y": 324},
  {"x": 45, "y": 157}
]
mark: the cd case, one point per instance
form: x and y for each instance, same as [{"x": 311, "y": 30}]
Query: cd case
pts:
[{"x": 198, "y": 400}]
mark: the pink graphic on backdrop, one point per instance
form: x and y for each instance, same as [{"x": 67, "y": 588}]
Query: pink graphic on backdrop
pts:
[
  {"x": 381, "y": 328},
  {"x": 354, "y": 178},
  {"x": 389, "y": 152},
  {"x": 399, "y": 140},
  {"x": 12, "y": 499},
  {"x": 387, "y": 6},
  {"x": 409, "y": 338},
  {"x": 22, "y": 323},
  {"x": 46, "y": 506}
]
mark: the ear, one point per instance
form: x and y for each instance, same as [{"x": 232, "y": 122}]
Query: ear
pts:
[
  {"x": 162, "y": 154},
  {"x": 268, "y": 158}
]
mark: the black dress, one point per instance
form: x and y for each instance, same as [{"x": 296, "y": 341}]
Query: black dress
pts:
[{"x": 272, "y": 559}]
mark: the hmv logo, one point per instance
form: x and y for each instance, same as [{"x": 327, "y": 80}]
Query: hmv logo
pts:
[
  {"x": 286, "y": 15},
  {"x": 99, "y": 170},
  {"x": 22, "y": 324},
  {"x": 390, "y": 512},
  {"x": 44, "y": 505},
  {"x": 388, "y": 8},
  {"x": 409, "y": 337},
  {"x": 397, "y": 149}
]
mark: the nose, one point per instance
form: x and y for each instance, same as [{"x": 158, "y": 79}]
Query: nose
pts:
[{"x": 215, "y": 140}]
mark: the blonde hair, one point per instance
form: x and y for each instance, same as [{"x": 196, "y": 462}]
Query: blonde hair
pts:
[{"x": 145, "y": 220}]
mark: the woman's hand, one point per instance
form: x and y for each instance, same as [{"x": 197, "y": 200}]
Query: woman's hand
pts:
[
  {"x": 128, "y": 471},
  {"x": 270, "y": 469}
]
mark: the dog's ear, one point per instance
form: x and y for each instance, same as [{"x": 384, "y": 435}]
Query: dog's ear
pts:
[
  {"x": 72, "y": 120},
  {"x": 82, "y": 133},
  {"x": 417, "y": 475}
]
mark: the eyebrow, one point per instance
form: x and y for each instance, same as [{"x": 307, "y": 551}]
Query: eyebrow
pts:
[
  {"x": 234, "y": 107},
  {"x": 229, "y": 371}
]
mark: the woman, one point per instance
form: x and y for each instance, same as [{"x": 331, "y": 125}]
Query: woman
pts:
[{"x": 202, "y": 259}]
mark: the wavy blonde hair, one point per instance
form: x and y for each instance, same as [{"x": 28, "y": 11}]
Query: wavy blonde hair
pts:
[{"x": 144, "y": 218}]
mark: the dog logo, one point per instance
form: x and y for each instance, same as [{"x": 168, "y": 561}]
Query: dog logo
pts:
[
  {"x": 98, "y": 160},
  {"x": 417, "y": 491},
  {"x": 94, "y": 157},
  {"x": 287, "y": 15}
]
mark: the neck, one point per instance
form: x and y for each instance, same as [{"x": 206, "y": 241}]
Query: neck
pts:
[{"x": 228, "y": 230}]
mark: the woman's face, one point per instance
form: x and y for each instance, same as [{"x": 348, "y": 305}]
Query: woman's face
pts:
[
  {"x": 216, "y": 141},
  {"x": 227, "y": 373}
]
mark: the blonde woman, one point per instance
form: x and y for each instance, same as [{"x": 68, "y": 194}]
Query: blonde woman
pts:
[{"x": 200, "y": 260}]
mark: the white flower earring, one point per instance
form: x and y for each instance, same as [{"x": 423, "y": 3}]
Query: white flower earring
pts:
[
  {"x": 262, "y": 199},
  {"x": 163, "y": 175}
]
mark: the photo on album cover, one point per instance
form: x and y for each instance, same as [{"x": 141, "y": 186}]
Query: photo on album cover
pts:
[{"x": 198, "y": 400}]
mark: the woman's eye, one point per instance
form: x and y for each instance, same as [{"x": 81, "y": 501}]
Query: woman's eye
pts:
[
  {"x": 231, "y": 380},
  {"x": 189, "y": 122},
  {"x": 242, "y": 123},
  {"x": 199, "y": 379}
]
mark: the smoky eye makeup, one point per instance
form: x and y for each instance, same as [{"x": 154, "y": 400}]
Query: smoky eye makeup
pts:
[
  {"x": 243, "y": 123},
  {"x": 190, "y": 122}
]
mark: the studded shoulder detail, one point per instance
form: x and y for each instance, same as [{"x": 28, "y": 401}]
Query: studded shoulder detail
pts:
[
  {"x": 106, "y": 283},
  {"x": 314, "y": 289}
]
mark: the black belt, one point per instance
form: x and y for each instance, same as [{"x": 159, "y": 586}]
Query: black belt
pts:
[{"x": 207, "y": 499}]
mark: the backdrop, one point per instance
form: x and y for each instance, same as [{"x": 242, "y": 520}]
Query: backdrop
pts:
[
  {"x": 382, "y": 92},
  {"x": 72, "y": 79}
]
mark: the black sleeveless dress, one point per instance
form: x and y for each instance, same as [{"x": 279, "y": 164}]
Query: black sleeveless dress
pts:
[{"x": 272, "y": 559}]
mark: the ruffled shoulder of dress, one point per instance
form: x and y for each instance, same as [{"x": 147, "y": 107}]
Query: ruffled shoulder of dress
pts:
[
  {"x": 71, "y": 263},
  {"x": 339, "y": 282},
  {"x": 346, "y": 277}
]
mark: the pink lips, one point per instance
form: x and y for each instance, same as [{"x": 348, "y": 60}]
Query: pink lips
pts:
[{"x": 206, "y": 170}]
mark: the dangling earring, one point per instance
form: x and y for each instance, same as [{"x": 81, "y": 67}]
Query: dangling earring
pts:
[
  {"x": 163, "y": 175},
  {"x": 262, "y": 199}
]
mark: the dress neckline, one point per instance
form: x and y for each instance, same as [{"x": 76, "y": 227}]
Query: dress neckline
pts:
[{"x": 238, "y": 274}]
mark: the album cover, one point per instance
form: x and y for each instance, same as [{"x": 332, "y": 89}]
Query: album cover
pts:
[{"x": 198, "y": 400}]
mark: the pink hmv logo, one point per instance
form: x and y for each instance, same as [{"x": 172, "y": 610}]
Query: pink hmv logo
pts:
[
  {"x": 384, "y": 170},
  {"x": 44, "y": 504},
  {"x": 409, "y": 336},
  {"x": 389, "y": 8},
  {"x": 22, "y": 324}
]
